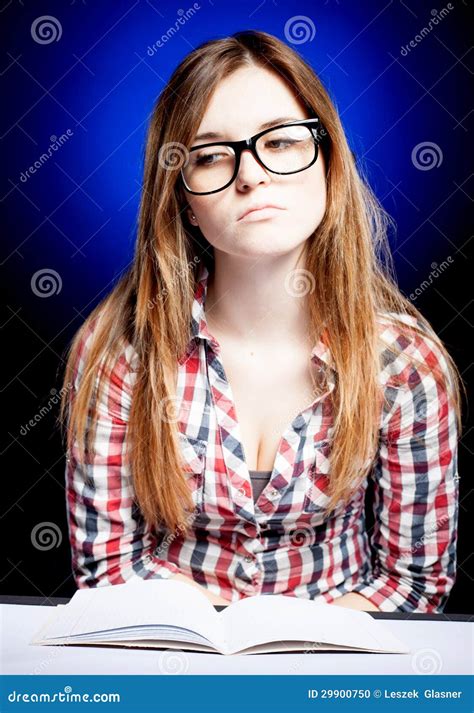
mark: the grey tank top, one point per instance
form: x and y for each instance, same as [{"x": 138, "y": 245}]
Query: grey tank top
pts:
[{"x": 259, "y": 479}]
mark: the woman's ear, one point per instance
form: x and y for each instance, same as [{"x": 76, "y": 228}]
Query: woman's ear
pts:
[
  {"x": 191, "y": 217},
  {"x": 182, "y": 200}
]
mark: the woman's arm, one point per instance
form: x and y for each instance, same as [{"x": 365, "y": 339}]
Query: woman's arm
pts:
[
  {"x": 109, "y": 541},
  {"x": 353, "y": 600},
  {"x": 213, "y": 598},
  {"x": 416, "y": 493}
]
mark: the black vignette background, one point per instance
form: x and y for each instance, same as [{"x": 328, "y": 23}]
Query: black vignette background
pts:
[{"x": 79, "y": 80}]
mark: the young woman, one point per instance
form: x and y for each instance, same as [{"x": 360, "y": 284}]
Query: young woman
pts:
[{"x": 257, "y": 367}]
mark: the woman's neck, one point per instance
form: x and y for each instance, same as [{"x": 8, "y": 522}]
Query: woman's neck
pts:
[{"x": 261, "y": 301}]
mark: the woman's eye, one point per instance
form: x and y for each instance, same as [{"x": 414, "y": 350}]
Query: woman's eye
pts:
[
  {"x": 207, "y": 159},
  {"x": 279, "y": 143}
]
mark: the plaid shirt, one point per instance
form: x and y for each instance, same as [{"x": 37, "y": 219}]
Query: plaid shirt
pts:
[{"x": 282, "y": 543}]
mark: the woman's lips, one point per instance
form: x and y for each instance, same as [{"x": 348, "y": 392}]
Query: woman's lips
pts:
[{"x": 260, "y": 214}]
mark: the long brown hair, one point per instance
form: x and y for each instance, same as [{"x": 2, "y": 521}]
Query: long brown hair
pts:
[{"x": 348, "y": 255}]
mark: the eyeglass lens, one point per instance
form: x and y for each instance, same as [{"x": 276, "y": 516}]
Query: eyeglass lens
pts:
[{"x": 284, "y": 150}]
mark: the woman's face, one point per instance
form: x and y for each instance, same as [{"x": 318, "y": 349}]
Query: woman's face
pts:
[{"x": 239, "y": 106}]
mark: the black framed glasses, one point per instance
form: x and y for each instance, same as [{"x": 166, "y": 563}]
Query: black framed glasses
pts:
[{"x": 283, "y": 149}]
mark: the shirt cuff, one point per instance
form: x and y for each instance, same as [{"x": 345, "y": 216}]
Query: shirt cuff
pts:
[
  {"x": 391, "y": 596},
  {"x": 157, "y": 568},
  {"x": 146, "y": 567}
]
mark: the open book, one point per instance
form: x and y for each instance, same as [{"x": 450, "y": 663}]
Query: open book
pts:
[{"x": 161, "y": 613}]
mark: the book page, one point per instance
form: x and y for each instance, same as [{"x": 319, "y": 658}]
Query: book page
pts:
[
  {"x": 282, "y": 647},
  {"x": 263, "y": 619},
  {"x": 158, "y": 646},
  {"x": 147, "y": 603}
]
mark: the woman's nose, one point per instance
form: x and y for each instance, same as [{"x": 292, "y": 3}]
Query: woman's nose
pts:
[{"x": 251, "y": 172}]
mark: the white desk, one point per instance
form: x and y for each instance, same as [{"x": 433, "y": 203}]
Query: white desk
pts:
[{"x": 439, "y": 647}]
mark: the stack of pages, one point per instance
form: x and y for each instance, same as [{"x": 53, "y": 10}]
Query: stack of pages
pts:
[{"x": 159, "y": 613}]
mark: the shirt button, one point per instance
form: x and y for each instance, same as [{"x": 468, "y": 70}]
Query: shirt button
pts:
[
  {"x": 249, "y": 559},
  {"x": 273, "y": 492}
]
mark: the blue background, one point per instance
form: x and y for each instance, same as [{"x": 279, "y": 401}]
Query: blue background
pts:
[{"x": 77, "y": 215}]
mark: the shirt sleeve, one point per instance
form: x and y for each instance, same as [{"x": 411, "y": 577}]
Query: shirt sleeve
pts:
[
  {"x": 109, "y": 540},
  {"x": 416, "y": 498}
]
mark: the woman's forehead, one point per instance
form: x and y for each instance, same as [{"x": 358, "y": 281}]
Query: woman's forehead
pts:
[{"x": 249, "y": 98}]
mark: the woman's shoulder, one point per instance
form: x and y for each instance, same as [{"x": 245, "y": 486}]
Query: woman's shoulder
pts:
[
  {"x": 410, "y": 350},
  {"x": 120, "y": 355}
]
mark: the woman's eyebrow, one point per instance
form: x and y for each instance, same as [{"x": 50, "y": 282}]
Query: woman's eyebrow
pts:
[{"x": 266, "y": 125}]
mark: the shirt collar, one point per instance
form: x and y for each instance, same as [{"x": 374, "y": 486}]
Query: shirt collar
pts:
[{"x": 320, "y": 354}]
